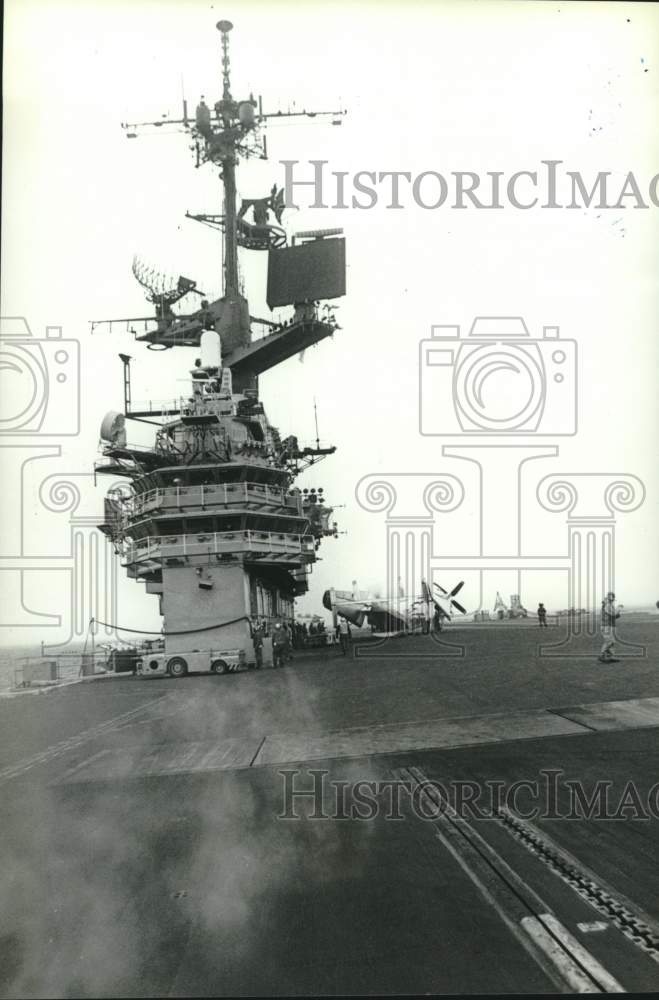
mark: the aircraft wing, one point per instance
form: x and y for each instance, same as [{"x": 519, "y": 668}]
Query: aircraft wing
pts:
[{"x": 382, "y": 617}]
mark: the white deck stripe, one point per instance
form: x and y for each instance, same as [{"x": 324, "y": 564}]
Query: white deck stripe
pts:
[
  {"x": 582, "y": 955},
  {"x": 544, "y": 935},
  {"x": 500, "y": 909},
  {"x": 559, "y": 945}
]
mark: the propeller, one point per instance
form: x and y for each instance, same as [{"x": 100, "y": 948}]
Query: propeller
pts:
[{"x": 451, "y": 596}]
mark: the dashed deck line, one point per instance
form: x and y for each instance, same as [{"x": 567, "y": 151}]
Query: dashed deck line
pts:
[
  {"x": 190, "y": 757},
  {"x": 166, "y": 759},
  {"x": 74, "y": 742}
]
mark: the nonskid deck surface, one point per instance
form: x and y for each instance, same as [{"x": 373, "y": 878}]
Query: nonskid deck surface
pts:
[
  {"x": 145, "y": 853},
  {"x": 181, "y": 757}
]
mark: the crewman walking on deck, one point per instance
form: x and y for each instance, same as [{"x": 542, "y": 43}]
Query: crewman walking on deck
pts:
[
  {"x": 542, "y": 615},
  {"x": 288, "y": 645},
  {"x": 610, "y": 615},
  {"x": 257, "y": 640},
  {"x": 344, "y": 635},
  {"x": 278, "y": 646}
]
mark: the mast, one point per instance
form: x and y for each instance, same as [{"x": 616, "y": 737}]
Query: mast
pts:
[
  {"x": 223, "y": 133},
  {"x": 228, "y": 172},
  {"x": 230, "y": 243}
]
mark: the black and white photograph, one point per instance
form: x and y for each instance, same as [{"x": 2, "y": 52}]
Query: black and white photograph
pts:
[{"x": 329, "y": 602}]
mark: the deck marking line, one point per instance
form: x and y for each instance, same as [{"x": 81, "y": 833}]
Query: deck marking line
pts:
[
  {"x": 557, "y": 712},
  {"x": 639, "y": 928},
  {"x": 258, "y": 751},
  {"x": 62, "y": 779},
  {"x": 498, "y": 890},
  {"x": 512, "y": 924},
  {"x": 72, "y": 742},
  {"x": 558, "y": 945},
  {"x": 582, "y": 955},
  {"x": 553, "y": 949}
]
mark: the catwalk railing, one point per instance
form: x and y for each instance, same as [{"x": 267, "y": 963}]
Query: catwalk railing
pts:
[
  {"x": 211, "y": 496},
  {"x": 218, "y": 543}
]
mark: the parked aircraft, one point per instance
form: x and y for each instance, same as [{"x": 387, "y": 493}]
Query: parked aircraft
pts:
[{"x": 393, "y": 615}]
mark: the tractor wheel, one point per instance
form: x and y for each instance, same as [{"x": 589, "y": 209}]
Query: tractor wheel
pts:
[
  {"x": 177, "y": 667},
  {"x": 220, "y": 667}
]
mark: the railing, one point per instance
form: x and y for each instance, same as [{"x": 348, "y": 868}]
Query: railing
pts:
[
  {"x": 203, "y": 496},
  {"x": 193, "y": 403},
  {"x": 160, "y": 406},
  {"x": 107, "y": 447},
  {"x": 60, "y": 668},
  {"x": 219, "y": 542},
  {"x": 307, "y": 314}
]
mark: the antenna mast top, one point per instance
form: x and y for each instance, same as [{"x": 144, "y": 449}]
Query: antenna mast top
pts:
[
  {"x": 224, "y": 27},
  {"x": 222, "y": 134}
]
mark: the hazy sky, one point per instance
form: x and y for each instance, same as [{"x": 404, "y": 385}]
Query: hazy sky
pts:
[{"x": 443, "y": 87}]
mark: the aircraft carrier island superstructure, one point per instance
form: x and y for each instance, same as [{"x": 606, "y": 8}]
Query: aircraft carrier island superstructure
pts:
[{"x": 209, "y": 518}]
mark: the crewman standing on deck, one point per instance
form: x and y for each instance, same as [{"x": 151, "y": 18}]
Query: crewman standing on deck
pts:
[
  {"x": 344, "y": 635},
  {"x": 610, "y": 615},
  {"x": 279, "y": 644},
  {"x": 257, "y": 640}
]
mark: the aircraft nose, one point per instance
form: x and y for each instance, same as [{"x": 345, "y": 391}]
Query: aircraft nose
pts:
[{"x": 327, "y": 600}]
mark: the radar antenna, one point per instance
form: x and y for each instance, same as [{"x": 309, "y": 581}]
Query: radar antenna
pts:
[
  {"x": 223, "y": 133},
  {"x": 222, "y": 139},
  {"x": 159, "y": 287}
]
